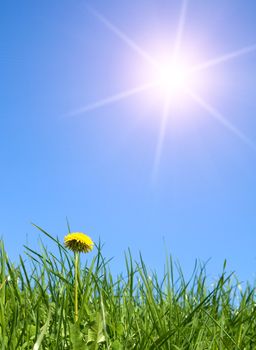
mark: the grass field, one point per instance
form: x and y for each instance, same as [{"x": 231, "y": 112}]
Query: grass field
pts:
[{"x": 135, "y": 310}]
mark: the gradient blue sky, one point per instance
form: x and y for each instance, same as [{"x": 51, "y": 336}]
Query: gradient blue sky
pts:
[{"x": 96, "y": 167}]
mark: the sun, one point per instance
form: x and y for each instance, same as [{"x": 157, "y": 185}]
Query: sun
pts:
[
  {"x": 175, "y": 77},
  {"x": 172, "y": 76}
]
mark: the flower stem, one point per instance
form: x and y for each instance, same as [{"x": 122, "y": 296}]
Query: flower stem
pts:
[{"x": 76, "y": 286}]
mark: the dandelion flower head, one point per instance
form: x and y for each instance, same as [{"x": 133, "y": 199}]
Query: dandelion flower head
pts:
[{"x": 78, "y": 242}]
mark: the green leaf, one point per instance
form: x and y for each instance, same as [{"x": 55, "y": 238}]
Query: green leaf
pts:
[
  {"x": 77, "y": 337},
  {"x": 120, "y": 329},
  {"x": 95, "y": 332},
  {"x": 116, "y": 345},
  {"x": 43, "y": 332}
]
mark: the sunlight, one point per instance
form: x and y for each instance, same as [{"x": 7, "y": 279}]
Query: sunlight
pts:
[
  {"x": 160, "y": 141},
  {"x": 124, "y": 37},
  {"x": 224, "y": 58},
  {"x": 218, "y": 116},
  {"x": 111, "y": 99},
  {"x": 172, "y": 77},
  {"x": 181, "y": 25}
]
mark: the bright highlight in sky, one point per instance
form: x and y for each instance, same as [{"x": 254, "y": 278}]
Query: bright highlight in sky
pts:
[{"x": 172, "y": 77}]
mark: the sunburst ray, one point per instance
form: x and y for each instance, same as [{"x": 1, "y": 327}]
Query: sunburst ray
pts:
[
  {"x": 111, "y": 99},
  {"x": 180, "y": 29},
  {"x": 218, "y": 116},
  {"x": 166, "y": 106},
  {"x": 224, "y": 58},
  {"x": 124, "y": 37},
  {"x": 160, "y": 141}
]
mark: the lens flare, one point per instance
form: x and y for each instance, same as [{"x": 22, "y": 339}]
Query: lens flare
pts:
[{"x": 173, "y": 76}]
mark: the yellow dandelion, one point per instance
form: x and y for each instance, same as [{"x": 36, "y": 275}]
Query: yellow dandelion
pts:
[{"x": 78, "y": 242}]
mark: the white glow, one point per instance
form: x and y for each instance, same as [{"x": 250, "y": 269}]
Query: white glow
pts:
[{"x": 173, "y": 76}]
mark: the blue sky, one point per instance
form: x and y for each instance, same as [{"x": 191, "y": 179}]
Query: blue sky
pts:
[{"x": 98, "y": 167}]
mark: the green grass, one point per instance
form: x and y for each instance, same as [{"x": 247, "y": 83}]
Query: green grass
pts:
[{"x": 135, "y": 310}]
